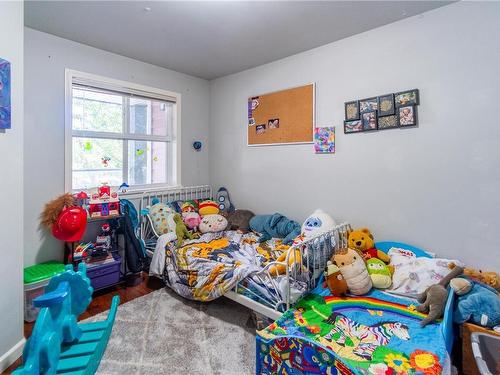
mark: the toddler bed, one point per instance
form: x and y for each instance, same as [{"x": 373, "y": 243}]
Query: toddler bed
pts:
[
  {"x": 377, "y": 333},
  {"x": 235, "y": 265}
]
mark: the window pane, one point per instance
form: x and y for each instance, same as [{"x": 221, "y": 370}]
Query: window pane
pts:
[
  {"x": 96, "y": 161},
  {"x": 97, "y": 111},
  {"x": 147, "y": 162},
  {"x": 150, "y": 117}
]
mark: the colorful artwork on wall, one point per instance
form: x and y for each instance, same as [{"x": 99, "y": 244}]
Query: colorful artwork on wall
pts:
[
  {"x": 5, "y": 114},
  {"x": 324, "y": 140}
]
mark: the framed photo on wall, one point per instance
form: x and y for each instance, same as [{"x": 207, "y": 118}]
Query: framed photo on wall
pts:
[
  {"x": 407, "y": 115},
  {"x": 351, "y": 110},
  {"x": 386, "y": 105},
  {"x": 388, "y": 122},
  {"x": 368, "y": 105},
  {"x": 407, "y": 97},
  {"x": 369, "y": 120},
  {"x": 353, "y": 126}
]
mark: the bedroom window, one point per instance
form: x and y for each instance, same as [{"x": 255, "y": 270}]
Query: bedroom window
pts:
[{"x": 119, "y": 132}]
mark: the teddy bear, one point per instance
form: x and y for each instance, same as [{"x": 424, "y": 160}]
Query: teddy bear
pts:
[
  {"x": 362, "y": 240},
  {"x": 488, "y": 278}
]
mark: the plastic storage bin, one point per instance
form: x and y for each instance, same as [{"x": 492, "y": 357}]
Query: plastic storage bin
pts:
[
  {"x": 104, "y": 275},
  {"x": 36, "y": 279}
]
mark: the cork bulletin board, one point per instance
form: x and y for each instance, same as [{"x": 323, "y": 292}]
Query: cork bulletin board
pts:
[{"x": 282, "y": 117}]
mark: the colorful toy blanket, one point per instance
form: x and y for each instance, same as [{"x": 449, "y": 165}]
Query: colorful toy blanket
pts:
[
  {"x": 372, "y": 334},
  {"x": 206, "y": 268}
]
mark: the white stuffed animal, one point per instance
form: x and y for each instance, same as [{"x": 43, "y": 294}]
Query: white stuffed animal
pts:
[
  {"x": 212, "y": 223},
  {"x": 318, "y": 222}
]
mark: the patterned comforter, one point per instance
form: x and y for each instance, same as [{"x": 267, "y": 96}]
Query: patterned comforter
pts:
[
  {"x": 206, "y": 268},
  {"x": 371, "y": 334}
]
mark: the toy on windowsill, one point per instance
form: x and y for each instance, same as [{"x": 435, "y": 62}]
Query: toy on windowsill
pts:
[
  {"x": 362, "y": 240},
  {"x": 104, "y": 202}
]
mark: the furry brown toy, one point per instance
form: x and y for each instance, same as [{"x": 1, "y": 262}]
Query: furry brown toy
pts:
[
  {"x": 239, "y": 220},
  {"x": 53, "y": 208},
  {"x": 433, "y": 300}
]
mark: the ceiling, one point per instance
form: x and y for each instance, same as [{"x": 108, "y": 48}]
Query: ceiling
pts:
[{"x": 210, "y": 39}]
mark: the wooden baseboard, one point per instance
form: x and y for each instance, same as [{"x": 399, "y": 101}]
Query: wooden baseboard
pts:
[{"x": 12, "y": 355}]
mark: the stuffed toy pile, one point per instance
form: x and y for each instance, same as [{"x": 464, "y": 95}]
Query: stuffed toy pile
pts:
[{"x": 211, "y": 220}]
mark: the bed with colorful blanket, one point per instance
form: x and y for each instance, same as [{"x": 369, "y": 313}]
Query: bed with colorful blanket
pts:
[
  {"x": 377, "y": 333},
  {"x": 206, "y": 268}
]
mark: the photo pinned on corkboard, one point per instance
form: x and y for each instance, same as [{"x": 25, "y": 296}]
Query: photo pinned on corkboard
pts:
[
  {"x": 282, "y": 117},
  {"x": 324, "y": 140},
  {"x": 273, "y": 123}
]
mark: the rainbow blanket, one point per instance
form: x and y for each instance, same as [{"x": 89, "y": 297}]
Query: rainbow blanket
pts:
[{"x": 372, "y": 334}]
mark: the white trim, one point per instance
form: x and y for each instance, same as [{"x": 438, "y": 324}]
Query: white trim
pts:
[
  {"x": 313, "y": 118},
  {"x": 12, "y": 355},
  {"x": 253, "y": 305},
  {"x": 104, "y": 82}
]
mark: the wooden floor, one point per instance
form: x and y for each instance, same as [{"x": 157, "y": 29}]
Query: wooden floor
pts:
[{"x": 102, "y": 301}]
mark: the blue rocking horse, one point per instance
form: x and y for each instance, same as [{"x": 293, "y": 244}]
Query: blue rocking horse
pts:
[{"x": 59, "y": 344}]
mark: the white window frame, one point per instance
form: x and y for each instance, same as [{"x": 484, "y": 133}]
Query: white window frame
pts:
[{"x": 113, "y": 84}]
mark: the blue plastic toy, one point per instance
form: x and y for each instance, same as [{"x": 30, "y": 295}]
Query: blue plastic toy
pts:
[{"x": 58, "y": 343}]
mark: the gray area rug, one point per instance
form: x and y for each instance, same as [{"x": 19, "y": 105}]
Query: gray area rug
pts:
[{"x": 162, "y": 333}]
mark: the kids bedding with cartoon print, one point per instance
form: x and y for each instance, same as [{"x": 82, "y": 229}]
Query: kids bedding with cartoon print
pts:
[{"x": 374, "y": 333}]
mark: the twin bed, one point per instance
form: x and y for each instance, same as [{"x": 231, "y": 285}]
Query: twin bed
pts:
[{"x": 313, "y": 332}]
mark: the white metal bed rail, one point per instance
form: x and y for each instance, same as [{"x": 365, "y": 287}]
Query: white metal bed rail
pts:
[{"x": 313, "y": 255}]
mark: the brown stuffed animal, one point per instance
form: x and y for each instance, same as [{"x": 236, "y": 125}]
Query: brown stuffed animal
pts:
[
  {"x": 239, "y": 220},
  {"x": 362, "y": 240},
  {"x": 433, "y": 299},
  {"x": 53, "y": 208},
  {"x": 488, "y": 278},
  {"x": 334, "y": 280}
]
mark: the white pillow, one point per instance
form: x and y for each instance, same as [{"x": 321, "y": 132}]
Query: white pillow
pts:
[{"x": 413, "y": 275}]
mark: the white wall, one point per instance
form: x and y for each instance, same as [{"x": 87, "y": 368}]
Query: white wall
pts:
[
  {"x": 47, "y": 57},
  {"x": 436, "y": 186},
  {"x": 11, "y": 188}
]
